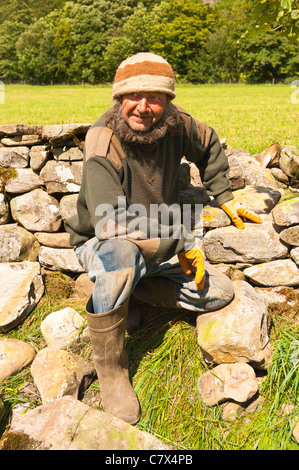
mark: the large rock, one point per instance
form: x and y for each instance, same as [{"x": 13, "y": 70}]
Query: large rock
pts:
[
  {"x": 62, "y": 177},
  {"x": 290, "y": 235},
  {"x": 39, "y": 155},
  {"x": 17, "y": 244},
  {"x": 57, "y": 373},
  {"x": 14, "y": 157},
  {"x": 227, "y": 381},
  {"x": 256, "y": 243},
  {"x": 286, "y": 213},
  {"x": 59, "y": 134},
  {"x": 68, "y": 424},
  {"x": 282, "y": 272},
  {"x": 236, "y": 174},
  {"x": 238, "y": 332},
  {"x": 36, "y": 211},
  {"x": 255, "y": 175},
  {"x": 63, "y": 259},
  {"x": 21, "y": 288},
  {"x": 64, "y": 328},
  {"x": 68, "y": 206},
  {"x": 20, "y": 129},
  {"x": 289, "y": 163},
  {"x": 54, "y": 240},
  {"x": 23, "y": 181},
  {"x": 25, "y": 139},
  {"x": 15, "y": 355},
  {"x": 68, "y": 154},
  {"x": 259, "y": 199}
]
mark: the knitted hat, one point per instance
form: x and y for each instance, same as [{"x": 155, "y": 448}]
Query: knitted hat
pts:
[{"x": 144, "y": 72}]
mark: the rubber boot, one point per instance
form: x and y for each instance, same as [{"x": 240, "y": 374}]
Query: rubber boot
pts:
[
  {"x": 107, "y": 335},
  {"x": 157, "y": 291},
  {"x": 134, "y": 318}
]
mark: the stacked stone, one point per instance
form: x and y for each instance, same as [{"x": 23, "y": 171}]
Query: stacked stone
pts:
[
  {"x": 40, "y": 178},
  {"x": 40, "y": 175}
]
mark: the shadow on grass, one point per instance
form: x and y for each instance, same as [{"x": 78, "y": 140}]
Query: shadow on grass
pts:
[{"x": 156, "y": 322}]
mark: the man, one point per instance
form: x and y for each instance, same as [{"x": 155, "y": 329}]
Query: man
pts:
[{"x": 131, "y": 166}]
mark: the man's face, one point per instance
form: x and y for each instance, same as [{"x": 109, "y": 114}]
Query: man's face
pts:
[{"x": 142, "y": 110}]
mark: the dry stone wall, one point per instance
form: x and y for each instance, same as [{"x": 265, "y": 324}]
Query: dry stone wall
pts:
[{"x": 40, "y": 178}]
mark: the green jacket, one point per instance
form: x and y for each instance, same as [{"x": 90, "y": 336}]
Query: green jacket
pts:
[{"x": 116, "y": 176}]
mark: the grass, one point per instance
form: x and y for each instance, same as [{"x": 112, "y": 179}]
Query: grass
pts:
[
  {"x": 165, "y": 364},
  {"x": 251, "y": 117}
]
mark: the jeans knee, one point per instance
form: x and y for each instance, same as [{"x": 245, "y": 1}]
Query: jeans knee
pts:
[{"x": 118, "y": 254}]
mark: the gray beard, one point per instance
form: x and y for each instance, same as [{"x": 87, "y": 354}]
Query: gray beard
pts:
[{"x": 168, "y": 122}]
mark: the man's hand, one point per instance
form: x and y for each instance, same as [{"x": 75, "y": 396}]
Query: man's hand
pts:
[
  {"x": 235, "y": 211},
  {"x": 196, "y": 259}
]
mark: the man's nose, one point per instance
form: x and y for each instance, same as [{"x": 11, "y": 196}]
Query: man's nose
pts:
[{"x": 143, "y": 105}]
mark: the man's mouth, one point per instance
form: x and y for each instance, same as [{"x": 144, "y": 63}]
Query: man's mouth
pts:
[{"x": 142, "y": 118}]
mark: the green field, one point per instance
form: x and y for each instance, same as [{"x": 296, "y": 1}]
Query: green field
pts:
[{"x": 251, "y": 117}]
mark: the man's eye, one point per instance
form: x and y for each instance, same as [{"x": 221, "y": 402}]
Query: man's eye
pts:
[{"x": 153, "y": 98}]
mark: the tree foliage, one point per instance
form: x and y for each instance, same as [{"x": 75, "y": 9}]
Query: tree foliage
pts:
[
  {"x": 62, "y": 41},
  {"x": 279, "y": 15}
]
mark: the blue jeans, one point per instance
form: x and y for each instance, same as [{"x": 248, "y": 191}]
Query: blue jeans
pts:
[{"x": 115, "y": 267}]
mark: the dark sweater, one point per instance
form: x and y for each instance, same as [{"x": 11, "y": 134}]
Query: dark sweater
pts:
[{"x": 146, "y": 175}]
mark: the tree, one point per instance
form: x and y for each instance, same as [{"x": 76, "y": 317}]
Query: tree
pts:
[
  {"x": 181, "y": 31},
  {"x": 278, "y": 15},
  {"x": 135, "y": 36}
]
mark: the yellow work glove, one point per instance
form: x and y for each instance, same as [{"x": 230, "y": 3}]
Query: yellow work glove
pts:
[
  {"x": 235, "y": 211},
  {"x": 195, "y": 258}
]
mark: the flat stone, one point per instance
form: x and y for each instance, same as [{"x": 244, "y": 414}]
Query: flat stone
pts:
[
  {"x": 68, "y": 424},
  {"x": 256, "y": 243},
  {"x": 14, "y": 157},
  {"x": 21, "y": 140},
  {"x": 290, "y": 235},
  {"x": 62, "y": 177},
  {"x": 282, "y": 272},
  {"x": 70, "y": 154},
  {"x": 68, "y": 206},
  {"x": 20, "y": 129},
  {"x": 23, "y": 181},
  {"x": 63, "y": 259},
  {"x": 286, "y": 213},
  {"x": 15, "y": 355},
  {"x": 17, "y": 244},
  {"x": 213, "y": 216},
  {"x": 58, "y": 134},
  {"x": 21, "y": 288},
  {"x": 54, "y": 240},
  {"x": 259, "y": 199},
  {"x": 36, "y": 211},
  {"x": 280, "y": 175},
  {"x": 257, "y": 176}
]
